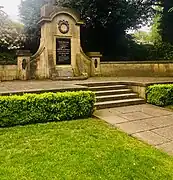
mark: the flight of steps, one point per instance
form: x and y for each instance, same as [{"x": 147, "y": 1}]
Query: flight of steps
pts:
[{"x": 113, "y": 94}]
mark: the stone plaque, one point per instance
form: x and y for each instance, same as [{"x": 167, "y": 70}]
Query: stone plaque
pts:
[{"x": 63, "y": 51}]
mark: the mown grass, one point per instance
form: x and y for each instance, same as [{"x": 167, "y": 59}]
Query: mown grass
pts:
[{"x": 84, "y": 149}]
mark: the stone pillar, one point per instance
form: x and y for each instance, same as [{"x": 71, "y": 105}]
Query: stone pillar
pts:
[
  {"x": 23, "y": 63},
  {"x": 95, "y": 65}
]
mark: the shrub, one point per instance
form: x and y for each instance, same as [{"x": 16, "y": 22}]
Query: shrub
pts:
[
  {"x": 161, "y": 51},
  {"x": 8, "y": 58},
  {"x": 40, "y": 108},
  {"x": 161, "y": 95}
]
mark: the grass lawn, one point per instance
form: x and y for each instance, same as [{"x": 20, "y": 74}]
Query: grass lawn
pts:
[{"x": 83, "y": 149}]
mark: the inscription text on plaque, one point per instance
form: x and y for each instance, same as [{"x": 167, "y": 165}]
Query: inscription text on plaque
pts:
[{"x": 63, "y": 51}]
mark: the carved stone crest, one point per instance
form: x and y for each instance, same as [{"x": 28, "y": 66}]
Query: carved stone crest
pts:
[{"x": 63, "y": 26}]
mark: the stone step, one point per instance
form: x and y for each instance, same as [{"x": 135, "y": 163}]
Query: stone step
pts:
[
  {"x": 107, "y": 83},
  {"x": 118, "y": 103},
  {"x": 116, "y": 97},
  {"x": 113, "y": 92},
  {"x": 104, "y": 88},
  {"x": 54, "y": 78}
]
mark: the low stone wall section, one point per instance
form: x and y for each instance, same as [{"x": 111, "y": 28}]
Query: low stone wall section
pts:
[
  {"x": 137, "y": 69},
  {"x": 141, "y": 88},
  {"x": 8, "y": 72}
]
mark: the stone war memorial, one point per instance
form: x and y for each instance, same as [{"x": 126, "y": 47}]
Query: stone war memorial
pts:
[
  {"x": 39, "y": 90},
  {"x": 60, "y": 54},
  {"x": 118, "y": 91},
  {"x": 61, "y": 57}
]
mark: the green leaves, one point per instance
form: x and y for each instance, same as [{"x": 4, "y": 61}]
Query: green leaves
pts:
[
  {"x": 11, "y": 35},
  {"x": 108, "y": 12},
  {"x": 166, "y": 26},
  {"x": 39, "y": 108},
  {"x": 105, "y": 21},
  {"x": 161, "y": 95},
  {"x": 8, "y": 58}
]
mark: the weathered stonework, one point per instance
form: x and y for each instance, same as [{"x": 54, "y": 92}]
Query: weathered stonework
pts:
[
  {"x": 95, "y": 63},
  {"x": 57, "y": 24},
  {"x": 137, "y": 69},
  {"x": 8, "y": 72},
  {"x": 23, "y": 65}
]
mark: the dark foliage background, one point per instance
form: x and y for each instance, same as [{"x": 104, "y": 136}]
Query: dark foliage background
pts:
[{"x": 106, "y": 24}]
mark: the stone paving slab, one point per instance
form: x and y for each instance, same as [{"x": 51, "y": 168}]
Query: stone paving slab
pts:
[
  {"x": 155, "y": 111},
  {"x": 165, "y": 132},
  {"x": 107, "y": 112},
  {"x": 161, "y": 121},
  {"x": 17, "y": 85},
  {"x": 130, "y": 109},
  {"x": 168, "y": 147},
  {"x": 113, "y": 119},
  {"x": 135, "y": 116},
  {"x": 11, "y": 87},
  {"x": 135, "y": 127},
  {"x": 149, "y": 123},
  {"x": 151, "y": 138}
]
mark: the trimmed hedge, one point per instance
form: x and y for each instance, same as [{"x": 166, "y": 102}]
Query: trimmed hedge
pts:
[
  {"x": 40, "y": 108},
  {"x": 160, "y": 95}
]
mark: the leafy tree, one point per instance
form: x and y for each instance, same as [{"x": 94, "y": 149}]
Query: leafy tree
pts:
[
  {"x": 162, "y": 31},
  {"x": 155, "y": 32},
  {"x": 11, "y": 36},
  {"x": 106, "y": 21},
  {"x": 166, "y": 27},
  {"x": 30, "y": 14},
  {"x": 142, "y": 37}
]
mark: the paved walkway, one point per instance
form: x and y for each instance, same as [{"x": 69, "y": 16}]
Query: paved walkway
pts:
[
  {"x": 151, "y": 124},
  {"x": 10, "y": 86}
]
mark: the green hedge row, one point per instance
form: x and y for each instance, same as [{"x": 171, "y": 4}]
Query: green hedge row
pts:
[
  {"x": 39, "y": 108},
  {"x": 160, "y": 95}
]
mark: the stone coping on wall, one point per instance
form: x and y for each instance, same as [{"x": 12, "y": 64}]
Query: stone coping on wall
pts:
[
  {"x": 94, "y": 54},
  {"x": 137, "y": 62},
  {"x": 23, "y": 53},
  {"x": 70, "y": 78},
  {"x": 39, "y": 91},
  {"x": 145, "y": 84},
  {"x": 128, "y": 83},
  {"x": 77, "y": 86}
]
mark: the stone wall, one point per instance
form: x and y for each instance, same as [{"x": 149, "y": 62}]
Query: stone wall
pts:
[
  {"x": 8, "y": 72},
  {"x": 137, "y": 69},
  {"x": 133, "y": 69}
]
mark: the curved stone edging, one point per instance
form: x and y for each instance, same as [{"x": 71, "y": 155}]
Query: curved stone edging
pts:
[
  {"x": 62, "y": 10},
  {"x": 39, "y": 52}
]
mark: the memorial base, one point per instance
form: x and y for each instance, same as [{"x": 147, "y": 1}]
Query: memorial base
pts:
[{"x": 63, "y": 71}]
